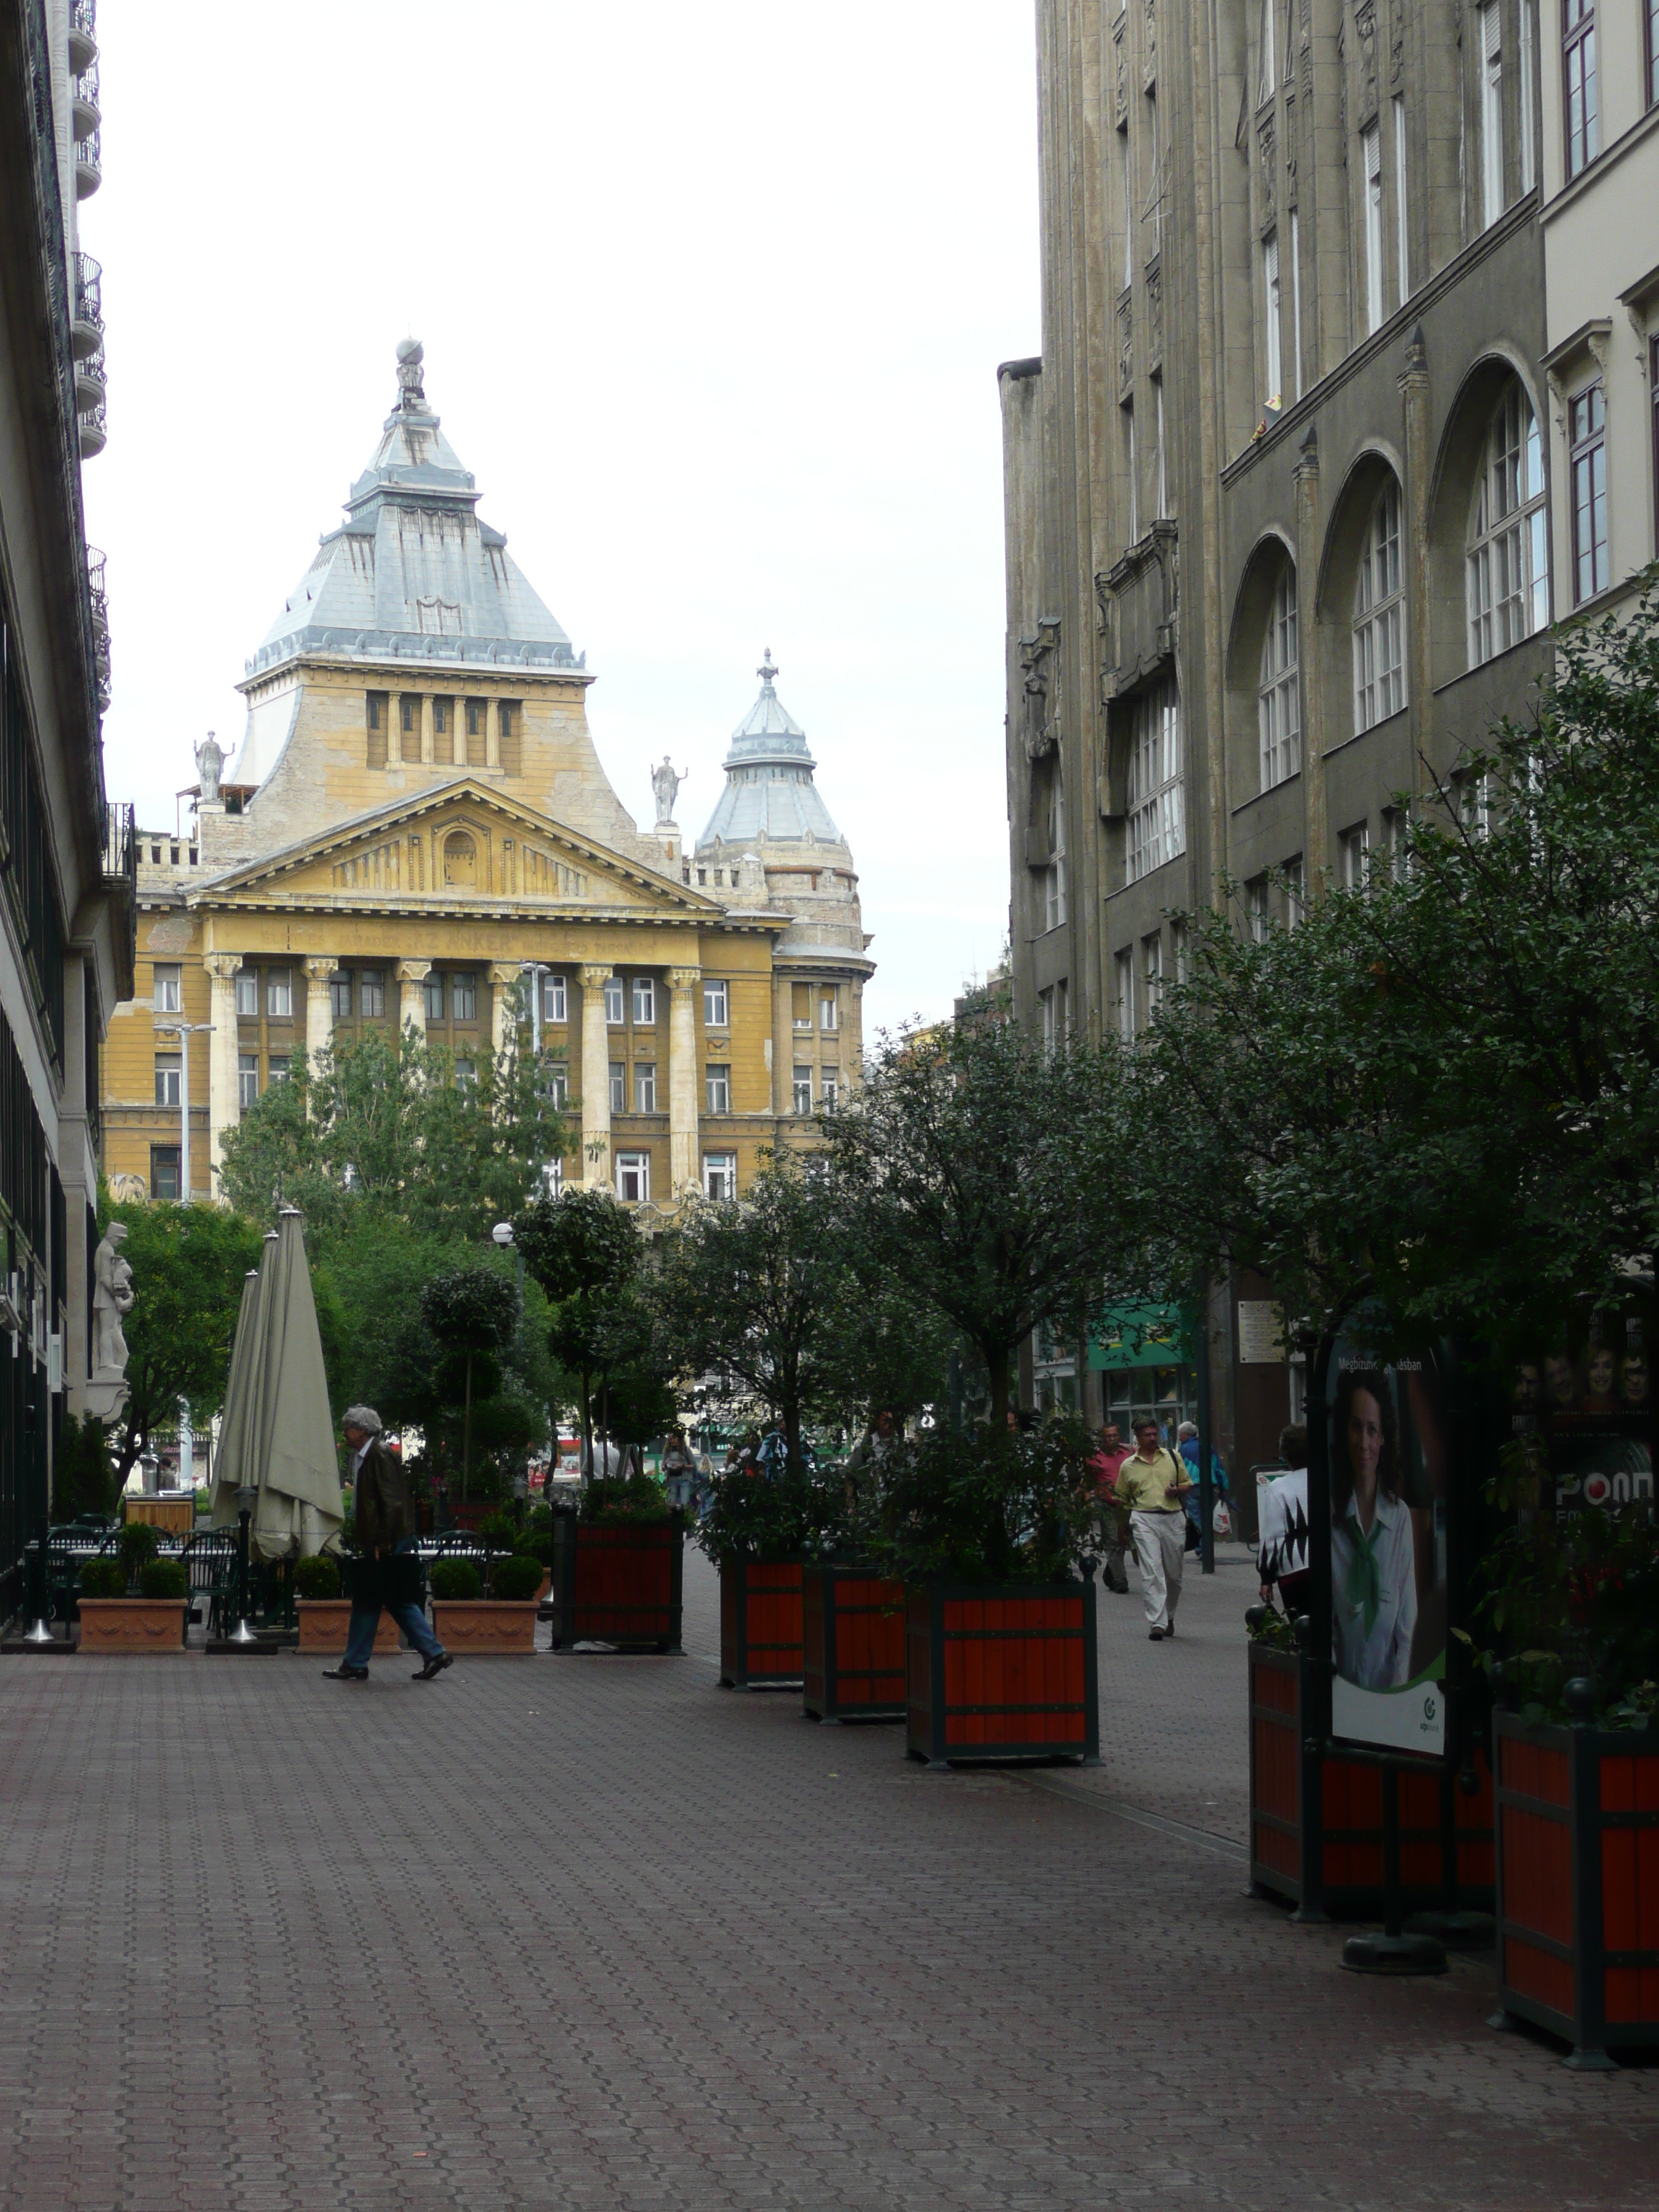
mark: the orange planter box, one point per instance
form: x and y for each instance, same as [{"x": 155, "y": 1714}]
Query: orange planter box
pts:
[
  {"x": 851, "y": 1645},
  {"x": 1002, "y": 1670},
  {"x": 485, "y": 1627},
  {"x": 120, "y": 1626},
  {"x": 618, "y": 1582},
  {"x": 324, "y": 1623},
  {"x": 761, "y": 1624}
]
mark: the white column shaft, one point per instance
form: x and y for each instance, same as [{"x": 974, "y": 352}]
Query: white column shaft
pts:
[
  {"x": 682, "y": 1080},
  {"x": 596, "y": 1080}
]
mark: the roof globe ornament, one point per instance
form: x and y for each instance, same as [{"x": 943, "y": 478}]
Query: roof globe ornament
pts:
[{"x": 411, "y": 391}]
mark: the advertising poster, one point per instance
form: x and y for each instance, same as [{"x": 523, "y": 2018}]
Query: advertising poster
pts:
[
  {"x": 1389, "y": 1441},
  {"x": 1587, "y": 1399}
]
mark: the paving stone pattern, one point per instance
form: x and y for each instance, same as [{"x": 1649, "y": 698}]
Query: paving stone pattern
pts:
[{"x": 588, "y": 1932}]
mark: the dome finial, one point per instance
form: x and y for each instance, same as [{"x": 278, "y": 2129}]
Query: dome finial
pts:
[
  {"x": 768, "y": 668},
  {"x": 411, "y": 392}
]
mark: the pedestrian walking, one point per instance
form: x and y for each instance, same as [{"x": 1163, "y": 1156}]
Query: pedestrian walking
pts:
[
  {"x": 1104, "y": 1465},
  {"x": 387, "y": 1566},
  {"x": 1153, "y": 1483},
  {"x": 678, "y": 1471},
  {"x": 1187, "y": 1442}
]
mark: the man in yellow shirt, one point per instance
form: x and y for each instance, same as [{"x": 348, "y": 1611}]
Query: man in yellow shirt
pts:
[{"x": 1152, "y": 1482}]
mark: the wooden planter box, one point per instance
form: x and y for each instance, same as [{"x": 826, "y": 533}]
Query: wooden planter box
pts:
[
  {"x": 761, "y": 1624},
  {"x": 173, "y": 1516},
  {"x": 1316, "y": 1822},
  {"x": 1000, "y": 1670},
  {"x": 851, "y": 1645},
  {"x": 485, "y": 1627},
  {"x": 324, "y": 1623},
  {"x": 1578, "y": 1885},
  {"x": 126, "y": 1624},
  {"x": 618, "y": 1582}
]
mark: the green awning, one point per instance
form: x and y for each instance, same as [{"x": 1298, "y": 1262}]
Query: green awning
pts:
[{"x": 1140, "y": 1336}]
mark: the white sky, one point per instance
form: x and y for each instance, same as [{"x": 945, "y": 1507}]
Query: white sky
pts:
[{"x": 712, "y": 300}]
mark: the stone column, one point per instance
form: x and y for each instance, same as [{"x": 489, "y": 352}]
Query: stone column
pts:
[
  {"x": 319, "y": 1016},
  {"x": 783, "y": 1044},
  {"x": 411, "y": 996},
  {"x": 596, "y": 1078},
  {"x": 683, "y": 1119},
  {"x": 504, "y": 976},
  {"x": 1414, "y": 772},
  {"x": 224, "y": 1108}
]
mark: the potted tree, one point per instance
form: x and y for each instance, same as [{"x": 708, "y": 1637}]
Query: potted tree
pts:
[
  {"x": 618, "y": 1563},
  {"x": 762, "y": 1530},
  {"x": 324, "y": 1611},
  {"x": 499, "y": 1625},
  {"x": 134, "y": 1602}
]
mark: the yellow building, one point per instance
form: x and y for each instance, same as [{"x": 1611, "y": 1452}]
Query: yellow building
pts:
[{"x": 416, "y": 822}]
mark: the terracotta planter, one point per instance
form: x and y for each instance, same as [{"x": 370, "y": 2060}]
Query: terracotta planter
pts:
[
  {"x": 1578, "y": 1885},
  {"x": 1317, "y": 1822},
  {"x": 618, "y": 1582},
  {"x": 485, "y": 1627},
  {"x": 761, "y": 1624},
  {"x": 853, "y": 1644},
  {"x": 122, "y": 1626},
  {"x": 1000, "y": 1670},
  {"x": 324, "y": 1623}
]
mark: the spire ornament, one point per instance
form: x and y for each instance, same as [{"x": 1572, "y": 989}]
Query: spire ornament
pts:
[{"x": 411, "y": 391}]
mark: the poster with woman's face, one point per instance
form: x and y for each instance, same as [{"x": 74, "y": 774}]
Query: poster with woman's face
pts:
[
  {"x": 1388, "y": 1442},
  {"x": 1587, "y": 1398}
]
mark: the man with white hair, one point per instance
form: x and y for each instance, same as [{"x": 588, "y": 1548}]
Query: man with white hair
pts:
[{"x": 385, "y": 1550}]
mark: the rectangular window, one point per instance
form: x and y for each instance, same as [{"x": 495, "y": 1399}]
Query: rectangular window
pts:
[
  {"x": 465, "y": 1075},
  {"x": 339, "y": 998},
  {"x": 1266, "y": 78},
  {"x": 1402, "y": 252},
  {"x": 247, "y": 992},
  {"x": 618, "y": 1086},
  {"x": 1279, "y": 698},
  {"x": 800, "y": 1001},
  {"x": 509, "y": 729},
  {"x": 433, "y": 990},
  {"x": 164, "y": 1172},
  {"x": 1129, "y": 210},
  {"x": 1124, "y": 966},
  {"x": 645, "y": 1086},
  {"x": 1578, "y": 80},
  {"x": 645, "y": 1003},
  {"x": 1351, "y": 849},
  {"x": 719, "y": 1176},
  {"x": 1163, "y": 486},
  {"x": 408, "y": 727},
  {"x": 167, "y": 1078},
  {"x": 1157, "y": 825},
  {"x": 1529, "y": 117},
  {"x": 1129, "y": 414},
  {"x": 464, "y": 996},
  {"x": 1295, "y": 304},
  {"x": 553, "y": 1178},
  {"x": 1255, "y": 908},
  {"x": 247, "y": 1079},
  {"x": 828, "y": 1011},
  {"x": 803, "y": 1088},
  {"x": 556, "y": 1082},
  {"x": 1273, "y": 310},
  {"x": 613, "y": 1001},
  {"x": 1587, "y": 420},
  {"x": 379, "y": 714},
  {"x": 1295, "y": 892},
  {"x": 443, "y": 732},
  {"x": 1371, "y": 165},
  {"x": 717, "y": 1087},
  {"x": 1053, "y": 876},
  {"x": 279, "y": 994},
  {"x": 166, "y": 999},
  {"x": 477, "y": 733},
  {"x": 1492, "y": 110},
  {"x": 715, "y": 1006},
  {"x": 371, "y": 994},
  {"x": 828, "y": 1088},
  {"x": 555, "y": 1000},
  {"x": 1379, "y": 623},
  {"x": 634, "y": 1177},
  {"x": 1151, "y": 973}
]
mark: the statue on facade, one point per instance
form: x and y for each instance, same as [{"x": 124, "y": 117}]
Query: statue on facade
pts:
[
  {"x": 665, "y": 784},
  {"x": 411, "y": 391},
  {"x": 111, "y": 1301},
  {"x": 210, "y": 763}
]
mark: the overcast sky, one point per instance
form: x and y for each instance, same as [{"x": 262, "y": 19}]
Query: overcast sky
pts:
[{"x": 711, "y": 302}]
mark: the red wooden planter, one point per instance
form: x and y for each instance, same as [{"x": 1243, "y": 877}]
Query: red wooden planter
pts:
[
  {"x": 617, "y": 1583},
  {"x": 1578, "y": 1885},
  {"x": 761, "y": 1624},
  {"x": 1000, "y": 1670},
  {"x": 853, "y": 1644},
  {"x": 1321, "y": 1817}
]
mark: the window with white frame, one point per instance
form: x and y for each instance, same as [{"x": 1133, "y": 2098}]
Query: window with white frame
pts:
[
  {"x": 1127, "y": 411},
  {"x": 1163, "y": 484},
  {"x": 556, "y": 1082},
  {"x": 166, "y": 998},
  {"x": 1156, "y": 824},
  {"x": 717, "y": 1088},
  {"x": 1492, "y": 110},
  {"x": 1255, "y": 908},
  {"x": 1296, "y": 305},
  {"x": 466, "y": 1075},
  {"x": 1278, "y": 697},
  {"x": 1151, "y": 973},
  {"x": 618, "y": 1086},
  {"x": 716, "y": 1010},
  {"x": 247, "y": 1079},
  {"x": 1475, "y": 806},
  {"x": 247, "y": 992},
  {"x": 279, "y": 994},
  {"x": 1579, "y": 84},
  {"x": 1272, "y": 309},
  {"x": 1053, "y": 1012},
  {"x": 645, "y": 1086},
  {"x": 1352, "y": 847},
  {"x": 634, "y": 1177},
  {"x": 828, "y": 1089},
  {"x": 803, "y": 1090},
  {"x": 1528, "y": 103},
  {"x": 1295, "y": 892},
  {"x": 167, "y": 1078},
  {"x": 645, "y": 1002},
  {"x": 719, "y": 1176},
  {"x": 1371, "y": 170},
  {"x": 613, "y": 1001},
  {"x": 1507, "y": 569},
  {"x": 1402, "y": 252},
  {"x": 1123, "y": 967},
  {"x": 1396, "y": 824},
  {"x": 828, "y": 1011},
  {"x": 1266, "y": 72},
  {"x": 1053, "y": 876},
  {"x": 1178, "y": 951},
  {"x": 555, "y": 999},
  {"x": 1379, "y": 618},
  {"x": 1587, "y": 459},
  {"x": 553, "y": 1178}
]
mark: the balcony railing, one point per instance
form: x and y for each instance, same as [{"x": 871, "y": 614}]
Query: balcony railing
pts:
[
  {"x": 84, "y": 100},
  {"x": 89, "y": 383},
  {"x": 96, "y": 586},
  {"x": 88, "y": 294},
  {"x": 120, "y": 845},
  {"x": 88, "y": 165},
  {"x": 94, "y": 430},
  {"x": 82, "y": 34}
]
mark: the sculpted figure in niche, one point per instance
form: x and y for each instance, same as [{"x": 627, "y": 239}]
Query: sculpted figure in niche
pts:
[
  {"x": 111, "y": 1301},
  {"x": 665, "y": 785}
]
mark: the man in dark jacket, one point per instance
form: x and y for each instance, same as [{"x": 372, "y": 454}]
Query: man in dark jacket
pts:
[{"x": 385, "y": 1547}]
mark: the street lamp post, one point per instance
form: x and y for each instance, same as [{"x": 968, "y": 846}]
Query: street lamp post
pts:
[
  {"x": 184, "y": 1031},
  {"x": 502, "y": 1236}
]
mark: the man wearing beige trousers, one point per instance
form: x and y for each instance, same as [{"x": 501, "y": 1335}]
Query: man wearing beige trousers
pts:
[{"x": 1152, "y": 1482}]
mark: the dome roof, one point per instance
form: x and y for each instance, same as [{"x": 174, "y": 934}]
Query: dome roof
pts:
[{"x": 770, "y": 796}]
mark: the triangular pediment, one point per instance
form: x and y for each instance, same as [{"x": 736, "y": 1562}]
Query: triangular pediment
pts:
[{"x": 463, "y": 846}]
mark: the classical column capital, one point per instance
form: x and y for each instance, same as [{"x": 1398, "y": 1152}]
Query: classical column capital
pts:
[
  {"x": 685, "y": 979},
  {"x": 595, "y": 975},
  {"x": 319, "y": 971},
  {"x": 413, "y": 972},
  {"x": 223, "y": 966},
  {"x": 503, "y": 973}
]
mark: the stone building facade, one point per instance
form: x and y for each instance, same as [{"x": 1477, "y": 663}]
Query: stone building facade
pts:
[
  {"x": 1284, "y": 505},
  {"x": 416, "y": 832}
]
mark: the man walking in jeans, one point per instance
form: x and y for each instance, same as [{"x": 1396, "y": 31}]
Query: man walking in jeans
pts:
[
  {"x": 1152, "y": 1482},
  {"x": 385, "y": 1546}
]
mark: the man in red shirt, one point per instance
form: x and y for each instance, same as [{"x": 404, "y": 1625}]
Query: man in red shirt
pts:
[{"x": 1103, "y": 1466}]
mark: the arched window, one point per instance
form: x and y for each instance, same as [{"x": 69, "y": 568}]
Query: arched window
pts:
[
  {"x": 1379, "y": 618},
  {"x": 1279, "y": 694},
  {"x": 460, "y": 859},
  {"x": 1507, "y": 566}
]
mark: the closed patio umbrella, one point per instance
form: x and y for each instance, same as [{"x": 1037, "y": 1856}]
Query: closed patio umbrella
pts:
[
  {"x": 293, "y": 1465},
  {"x": 232, "y": 1457}
]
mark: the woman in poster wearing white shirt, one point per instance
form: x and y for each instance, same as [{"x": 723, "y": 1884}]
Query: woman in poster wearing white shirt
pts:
[{"x": 1373, "y": 1555}]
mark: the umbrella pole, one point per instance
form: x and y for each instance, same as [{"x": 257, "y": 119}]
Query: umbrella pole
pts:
[{"x": 244, "y": 1633}]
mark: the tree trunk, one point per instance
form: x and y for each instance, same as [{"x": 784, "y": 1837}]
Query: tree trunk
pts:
[
  {"x": 793, "y": 1463},
  {"x": 466, "y": 1431},
  {"x": 999, "y": 1363}
]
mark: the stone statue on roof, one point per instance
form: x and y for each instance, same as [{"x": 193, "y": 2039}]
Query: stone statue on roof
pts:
[
  {"x": 210, "y": 763},
  {"x": 411, "y": 391},
  {"x": 665, "y": 784}
]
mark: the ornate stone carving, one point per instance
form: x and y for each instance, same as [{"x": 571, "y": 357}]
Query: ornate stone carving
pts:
[
  {"x": 1290, "y": 152},
  {"x": 1121, "y": 64},
  {"x": 1126, "y": 344},
  {"x": 1039, "y": 669},
  {"x": 112, "y": 1299},
  {"x": 1364, "y": 25},
  {"x": 1155, "y": 311},
  {"x": 1266, "y": 151},
  {"x": 1149, "y": 46},
  {"x": 1396, "y": 40}
]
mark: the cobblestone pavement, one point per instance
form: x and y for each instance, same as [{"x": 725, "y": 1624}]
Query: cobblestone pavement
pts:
[{"x": 586, "y": 1931}]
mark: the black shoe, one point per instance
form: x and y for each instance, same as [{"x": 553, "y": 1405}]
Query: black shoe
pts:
[
  {"x": 344, "y": 1674},
  {"x": 1169, "y": 1628},
  {"x": 435, "y": 1665},
  {"x": 1155, "y": 1636}
]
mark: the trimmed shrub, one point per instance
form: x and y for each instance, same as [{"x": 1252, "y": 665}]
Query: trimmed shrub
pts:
[
  {"x": 138, "y": 1544},
  {"x": 456, "y": 1581},
  {"x": 164, "y": 1578},
  {"x": 103, "y": 1578},
  {"x": 317, "y": 1577},
  {"x": 516, "y": 1579}
]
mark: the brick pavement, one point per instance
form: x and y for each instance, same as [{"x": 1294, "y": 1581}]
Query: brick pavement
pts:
[{"x": 586, "y": 1932}]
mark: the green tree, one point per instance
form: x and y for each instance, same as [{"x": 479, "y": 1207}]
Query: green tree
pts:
[
  {"x": 188, "y": 1263},
  {"x": 472, "y": 1312},
  {"x": 584, "y": 1251}
]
